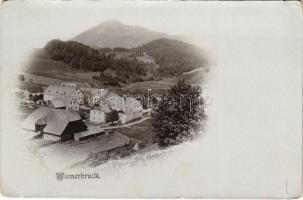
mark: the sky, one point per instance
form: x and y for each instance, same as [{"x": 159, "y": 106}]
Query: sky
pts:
[
  {"x": 39, "y": 21},
  {"x": 31, "y": 24}
]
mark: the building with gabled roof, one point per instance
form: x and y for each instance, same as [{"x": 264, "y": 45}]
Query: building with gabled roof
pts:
[
  {"x": 128, "y": 109},
  {"x": 60, "y": 125},
  {"x": 103, "y": 102},
  {"x": 68, "y": 103},
  {"x": 133, "y": 109},
  {"x": 31, "y": 119},
  {"x": 94, "y": 95},
  {"x": 97, "y": 116},
  {"x": 53, "y": 91}
]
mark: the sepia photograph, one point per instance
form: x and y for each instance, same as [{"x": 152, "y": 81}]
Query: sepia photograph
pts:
[{"x": 151, "y": 99}]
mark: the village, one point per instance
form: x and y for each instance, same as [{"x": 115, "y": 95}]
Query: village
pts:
[
  {"x": 82, "y": 120},
  {"x": 77, "y": 102}
]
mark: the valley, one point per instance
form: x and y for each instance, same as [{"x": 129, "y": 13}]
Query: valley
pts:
[{"x": 66, "y": 79}]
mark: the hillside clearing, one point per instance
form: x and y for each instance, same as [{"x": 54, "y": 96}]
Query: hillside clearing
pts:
[{"x": 142, "y": 131}]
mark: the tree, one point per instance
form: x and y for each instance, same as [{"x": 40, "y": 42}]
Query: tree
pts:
[{"x": 179, "y": 116}]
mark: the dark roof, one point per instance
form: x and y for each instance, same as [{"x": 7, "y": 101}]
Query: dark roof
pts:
[{"x": 56, "y": 119}]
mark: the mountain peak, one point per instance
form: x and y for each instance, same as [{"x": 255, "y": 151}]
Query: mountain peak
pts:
[
  {"x": 111, "y": 22},
  {"x": 113, "y": 33}
]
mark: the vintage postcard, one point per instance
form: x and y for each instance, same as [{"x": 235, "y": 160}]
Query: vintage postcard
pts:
[{"x": 151, "y": 99}]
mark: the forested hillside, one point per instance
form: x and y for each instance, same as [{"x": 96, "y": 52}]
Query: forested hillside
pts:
[
  {"x": 81, "y": 56},
  {"x": 163, "y": 58},
  {"x": 173, "y": 56}
]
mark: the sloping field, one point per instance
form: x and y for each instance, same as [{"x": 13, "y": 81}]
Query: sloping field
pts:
[
  {"x": 193, "y": 77},
  {"x": 46, "y": 66},
  {"x": 41, "y": 79},
  {"x": 31, "y": 87},
  {"x": 65, "y": 154},
  {"x": 154, "y": 85}
]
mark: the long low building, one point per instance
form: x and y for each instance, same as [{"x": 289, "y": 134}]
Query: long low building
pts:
[
  {"x": 90, "y": 132},
  {"x": 54, "y": 124}
]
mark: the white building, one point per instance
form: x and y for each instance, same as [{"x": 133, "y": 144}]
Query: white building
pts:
[
  {"x": 146, "y": 59},
  {"x": 53, "y": 91},
  {"x": 128, "y": 108},
  {"x": 132, "y": 110},
  {"x": 97, "y": 116},
  {"x": 72, "y": 104},
  {"x": 96, "y": 96},
  {"x": 106, "y": 101}
]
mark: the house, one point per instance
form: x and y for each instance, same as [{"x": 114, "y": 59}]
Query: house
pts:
[
  {"x": 112, "y": 101},
  {"x": 68, "y": 103},
  {"x": 104, "y": 102},
  {"x": 97, "y": 116},
  {"x": 30, "y": 122},
  {"x": 133, "y": 109},
  {"x": 53, "y": 91},
  {"x": 96, "y": 97},
  {"x": 93, "y": 95},
  {"x": 146, "y": 59},
  {"x": 127, "y": 108},
  {"x": 71, "y": 104},
  {"x": 54, "y": 124}
]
